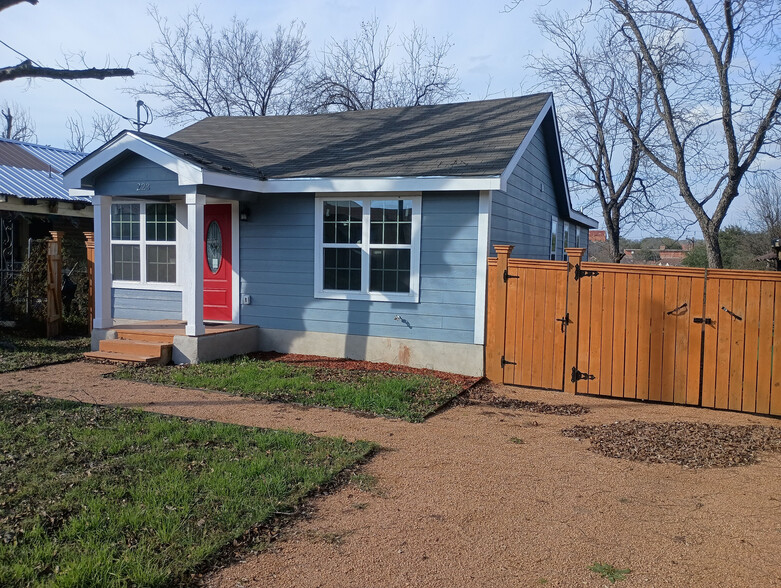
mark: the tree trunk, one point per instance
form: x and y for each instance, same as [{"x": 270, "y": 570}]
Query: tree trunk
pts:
[{"x": 710, "y": 234}]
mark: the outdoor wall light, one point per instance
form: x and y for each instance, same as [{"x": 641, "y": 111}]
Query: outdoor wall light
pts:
[{"x": 244, "y": 213}]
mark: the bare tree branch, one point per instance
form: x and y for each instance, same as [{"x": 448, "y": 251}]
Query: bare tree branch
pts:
[{"x": 27, "y": 69}]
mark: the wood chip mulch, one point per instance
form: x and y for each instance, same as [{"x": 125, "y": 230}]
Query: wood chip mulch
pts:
[
  {"x": 483, "y": 394},
  {"x": 326, "y": 364},
  {"x": 691, "y": 445}
]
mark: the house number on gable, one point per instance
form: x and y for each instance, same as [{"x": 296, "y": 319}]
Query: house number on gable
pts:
[{"x": 143, "y": 187}]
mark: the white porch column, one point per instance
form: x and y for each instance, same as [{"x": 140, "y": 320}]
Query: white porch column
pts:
[
  {"x": 101, "y": 208},
  {"x": 192, "y": 267}
]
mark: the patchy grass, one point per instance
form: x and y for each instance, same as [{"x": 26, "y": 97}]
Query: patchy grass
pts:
[
  {"x": 517, "y": 440},
  {"x": 18, "y": 352},
  {"x": 98, "y": 496},
  {"x": 411, "y": 397}
]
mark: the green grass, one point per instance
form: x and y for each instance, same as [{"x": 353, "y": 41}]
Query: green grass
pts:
[
  {"x": 408, "y": 396},
  {"x": 98, "y": 496},
  {"x": 19, "y": 352},
  {"x": 609, "y": 572}
]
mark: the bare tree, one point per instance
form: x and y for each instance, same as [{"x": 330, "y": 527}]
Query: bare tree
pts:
[
  {"x": 19, "y": 125},
  {"x": 594, "y": 75},
  {"x": 30, "y": 69},
  {"x": 764, "y": 213},
  {"x": 717, "y": 88},
  {"x": 103, "y": 128},
  {"x": 359, "y": 74},
  {"x": 199, "y": 72}
]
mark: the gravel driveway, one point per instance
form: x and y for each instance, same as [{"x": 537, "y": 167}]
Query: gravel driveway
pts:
[{"x": 458, "y": 503}]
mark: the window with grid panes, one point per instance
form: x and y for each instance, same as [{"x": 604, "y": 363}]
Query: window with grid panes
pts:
[
  {"x": 368, "y": 248},
  {"x": 143, "y": 242}
]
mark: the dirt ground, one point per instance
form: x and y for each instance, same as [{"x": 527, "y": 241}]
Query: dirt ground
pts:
[{"x": 484, "y": 496}]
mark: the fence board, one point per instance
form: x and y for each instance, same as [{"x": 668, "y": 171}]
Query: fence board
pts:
[
  {"x": 737, "y": 343},
  {"x": 657, "y": 331},
  {"x": 710, "y": 345},
  {"x": 694, "y": 358},
  {"x": 643, "y": 335},
  {"x": 724, "y": 331},
  {"x": 669, "y": 323},
  {"x": 765, "y": 347},
  {"x": 557, "y": 382},
  {"x": 775, "y": 378},
  {"x": 604, "y": 377},
  {"x": 751, "y": 363},
  {"x": 630, "y": 349},
  {"x": 584, "y": 333},
  {"x": 682, "y": 339},
  {"x": 619, "y": 335}
]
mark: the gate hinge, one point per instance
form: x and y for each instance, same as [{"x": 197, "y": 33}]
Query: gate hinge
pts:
[
  {"x": 505, "y": 362},
  {"x": 581, "y": 273},
  {"x": 578, "y": 375},
  {"x": 506, "y": 276}
]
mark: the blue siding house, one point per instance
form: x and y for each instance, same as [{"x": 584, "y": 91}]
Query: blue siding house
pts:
[{"x": 357, "y": 234}]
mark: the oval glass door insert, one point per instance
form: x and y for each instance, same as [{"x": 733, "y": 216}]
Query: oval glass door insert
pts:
[{"x": 214, "y": 246}]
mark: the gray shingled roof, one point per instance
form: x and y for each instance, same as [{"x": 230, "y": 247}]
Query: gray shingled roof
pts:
[{"x": 465, "y": 139}]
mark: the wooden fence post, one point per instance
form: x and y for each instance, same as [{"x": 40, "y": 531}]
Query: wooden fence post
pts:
[
  {"x": 89, "y": 241},
  {"x": 575, "y": 256},
  {"x": 54, "y": 322},
  {"x": 497, "y": 291}
]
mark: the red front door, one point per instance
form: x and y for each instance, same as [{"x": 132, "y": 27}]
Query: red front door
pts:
[{"x": 217, "y": 264}]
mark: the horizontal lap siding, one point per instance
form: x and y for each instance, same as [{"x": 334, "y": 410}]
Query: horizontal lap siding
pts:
[
  {"x": 521, "y": 216},
  {"x": 137, "y": 176},
  {"x": 150, "y": 305},
  {"x": 277, "y": 271}
]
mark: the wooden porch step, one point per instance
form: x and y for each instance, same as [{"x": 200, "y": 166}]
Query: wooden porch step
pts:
[
  {"x": 162, "y": 351},
  {"x": 144, "y": 336},
  {"x": 126, "y": 358}
]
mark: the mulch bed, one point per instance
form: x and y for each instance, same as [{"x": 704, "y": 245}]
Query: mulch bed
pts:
[
  {"x": 692, "y": 445},
  {"x": 327, "y": 366},
  {"x": 483, "y": 394}
]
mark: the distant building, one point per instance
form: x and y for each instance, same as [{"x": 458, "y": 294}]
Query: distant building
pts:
[{"x": 597, "y": 236}]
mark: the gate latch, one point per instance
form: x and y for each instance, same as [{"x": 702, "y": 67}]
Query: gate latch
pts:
[
  {"x": 581, "y": 273},
  {"x": 506, "y": 276},
  {"x": 564, "y": 322},
  {"x": 578, "y": 375},
  {"x": 703, "y": 320},
  {"x": 505, "y": 362}
]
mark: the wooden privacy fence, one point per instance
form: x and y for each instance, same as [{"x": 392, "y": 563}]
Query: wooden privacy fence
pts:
[{"x": 679, "y": 335}]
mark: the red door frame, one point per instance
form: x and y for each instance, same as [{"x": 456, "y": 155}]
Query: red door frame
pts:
[{"x": 218, "y": 286}]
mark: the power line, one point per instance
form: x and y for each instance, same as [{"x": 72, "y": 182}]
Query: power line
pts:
[{"x": 67, "y": 83}]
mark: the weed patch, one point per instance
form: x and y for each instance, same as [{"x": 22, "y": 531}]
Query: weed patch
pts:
[{"x": 609, "y": 572}]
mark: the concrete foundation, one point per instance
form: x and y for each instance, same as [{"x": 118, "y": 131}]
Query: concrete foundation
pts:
[
  {"x": 456, "y": 358},
  {"x": 216, "y": 346}
]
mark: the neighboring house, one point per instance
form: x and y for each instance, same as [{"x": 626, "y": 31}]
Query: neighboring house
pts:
[
  {"x": 33, "y": 201},
  {"x": 359, "y": 234}
]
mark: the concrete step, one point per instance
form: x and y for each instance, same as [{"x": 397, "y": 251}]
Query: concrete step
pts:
[
  {"x": 144, "y": 336},
  {"x": 131, "y": 347},
  {"x": 126, "y": 358}
]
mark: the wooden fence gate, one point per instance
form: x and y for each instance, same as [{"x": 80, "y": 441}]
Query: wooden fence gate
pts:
[{"x": 678, "y": 335}]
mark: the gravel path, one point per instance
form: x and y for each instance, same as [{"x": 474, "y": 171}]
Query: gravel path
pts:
[{"x": 460, "y": 504}]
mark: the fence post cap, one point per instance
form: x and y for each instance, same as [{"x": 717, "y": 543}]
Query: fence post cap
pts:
[{"x": 503, "y": 249}]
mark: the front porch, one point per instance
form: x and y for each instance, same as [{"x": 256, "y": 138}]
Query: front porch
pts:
[{"x": 164, "y": 341}]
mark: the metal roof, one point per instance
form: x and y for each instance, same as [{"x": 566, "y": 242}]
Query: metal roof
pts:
[
  {"x": 59, "y": 159},
  {"x": 28, "y": 170}
]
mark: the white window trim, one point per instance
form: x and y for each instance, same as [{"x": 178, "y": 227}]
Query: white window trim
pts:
[
  {"x": 554, "y": 229},
  {"x": 142, "y": 284},
  {"x": 364, "y": 294}
]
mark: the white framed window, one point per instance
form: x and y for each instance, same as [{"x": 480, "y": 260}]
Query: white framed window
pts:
[
  {"x": 577, "y": 236},
  {"x": 143, "y": 243},
  {"x": 554, "y": 227},
  {"x": 367, "y": 247}
]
